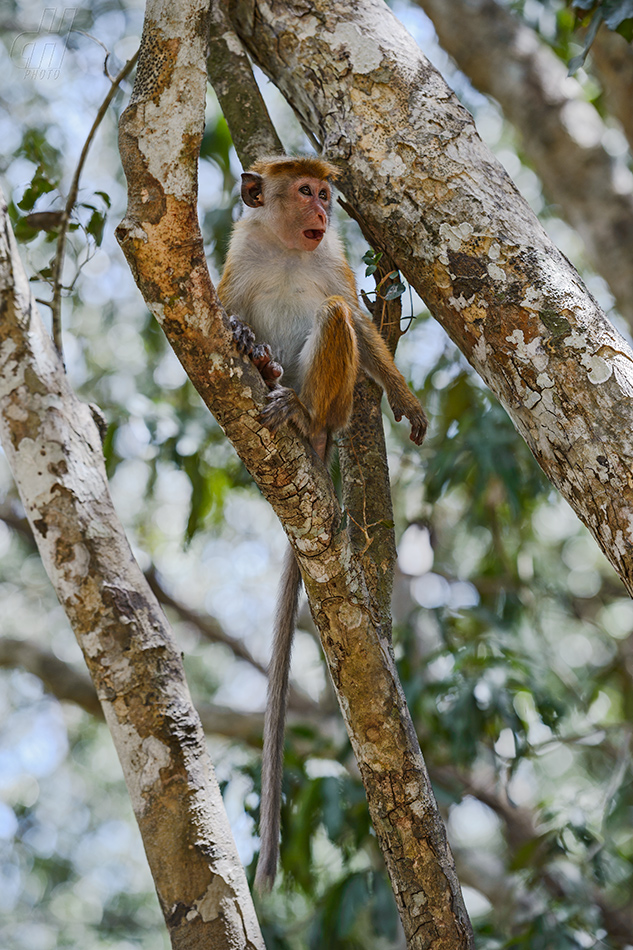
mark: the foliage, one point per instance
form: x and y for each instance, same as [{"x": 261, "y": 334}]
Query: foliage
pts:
[{"x": 512, "y": 635}]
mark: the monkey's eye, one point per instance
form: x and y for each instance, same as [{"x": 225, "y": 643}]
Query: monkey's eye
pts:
[
  {"x": 305, "y": 190},
  {"x": 323, "y": 195}
]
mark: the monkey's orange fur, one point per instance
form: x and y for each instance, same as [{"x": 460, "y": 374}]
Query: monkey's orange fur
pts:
[{"x": 289, "y": 167}]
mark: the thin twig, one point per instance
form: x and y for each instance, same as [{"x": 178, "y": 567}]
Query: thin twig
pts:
[{"x": 56, "y": 302}]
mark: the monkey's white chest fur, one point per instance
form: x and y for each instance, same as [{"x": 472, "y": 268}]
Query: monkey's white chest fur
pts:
[{"x": 278, "y": 292}]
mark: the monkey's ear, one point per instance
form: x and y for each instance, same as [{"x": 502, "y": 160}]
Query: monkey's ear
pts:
[{"x": 252, "y": 189}]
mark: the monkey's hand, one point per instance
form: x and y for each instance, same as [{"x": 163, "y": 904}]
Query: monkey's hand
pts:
[
  {"x": 411, "y": 408},
  {"x": 259, "y": 353},
  {"x": 285, "y": 406},
  {"x": 270, "y": 370}
]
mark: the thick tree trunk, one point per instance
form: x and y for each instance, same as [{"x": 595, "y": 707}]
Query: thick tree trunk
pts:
[
  {"x": 422, "y": 183},
  {"x": 53, "y": 448}
]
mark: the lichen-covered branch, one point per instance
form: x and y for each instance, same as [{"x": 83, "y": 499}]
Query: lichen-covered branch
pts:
[
  {"x": 53, "y": 447},
  {"x": 367, "y": 501},
  {"x": 423, "y": 183},
  {"x": 160, "y": 133},
  {"x": 231, "y": 76},
  {"x": 561, "y": 133}
]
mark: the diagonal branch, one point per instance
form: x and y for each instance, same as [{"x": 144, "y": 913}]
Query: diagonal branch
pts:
[
  {"x": 423, "y": 183},
  {"x": 53, "y": 447},
  {"x": 561, "y": 133},
  {"x": 160, "y": 134},
  {"x": 231, "y": 76}
]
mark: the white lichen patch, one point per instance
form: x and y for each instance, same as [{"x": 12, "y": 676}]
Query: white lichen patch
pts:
[
  {"x": 531, "y": 353},
  {"x": 161, "y": 142},
  {"x": 36, "y": 465},
  {"x": 454, "y": 235},
  {"x": 419, "y": 903},
  {"x": 494, "y": 252},
  {"x": 460, "y": 303},
  {"x": 620, "y": 544},
  {"x": 577, "y": 340},
  {"x": 531, "y": 399},
  {"x": 155, "y": 756},
  {"x": 546, "y": 428},
  {"x": 392, "y": 166},
  {"x": 218, "y": 901},
  {"x": 590, "y": 461},
  {"x": 533, "y": 299},
  {"x": 233, "y": 44},
  {"x": 99, "y": 530},
  {"x": 73, "y": 570},
  {"x": 496, "y": 272},
  {"x": 142, "y": 759},
  {"x": 365, "y": 55},
  {"x": 413, "y": 791},
  {"x": 216, "y": 365},
  {"x": 480, "y": 352},
  {"x": 598, "y": 369},
  {"x": 134, "y": 232}
]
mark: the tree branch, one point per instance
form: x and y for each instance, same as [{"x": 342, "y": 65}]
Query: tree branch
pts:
[
  {"x": 423, "y": 183},
  {"x": 612, "y": 59},
  {"x": 561, "y": 133},
  {"x": 231, "y": 76},
  {"x": 53, "y": 447},
  {"x": 160, "y": 133}
]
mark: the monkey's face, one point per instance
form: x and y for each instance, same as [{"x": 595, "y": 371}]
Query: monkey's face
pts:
[{"x": 304, "y": 213}]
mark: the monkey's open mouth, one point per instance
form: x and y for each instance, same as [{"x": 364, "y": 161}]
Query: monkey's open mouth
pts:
[{"x": 313, "y": 234}]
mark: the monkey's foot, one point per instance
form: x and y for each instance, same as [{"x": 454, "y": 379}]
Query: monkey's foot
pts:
[
  {"x": 416, "y": 416},
  {"x": 259, "y": 353},
  {"x": 285, "y": 406}
]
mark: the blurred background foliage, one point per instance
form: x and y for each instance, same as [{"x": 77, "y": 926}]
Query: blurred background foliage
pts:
[{"x": 514, "y": 638}]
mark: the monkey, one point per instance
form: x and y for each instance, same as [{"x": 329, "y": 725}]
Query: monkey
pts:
[{"x": 287, "y": 279}]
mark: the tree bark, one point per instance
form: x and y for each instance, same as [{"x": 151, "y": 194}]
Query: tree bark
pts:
[
  {"x": 561, "y": 133},
  {"x": 235, "y": 86},
  {"x": 160, "y": 133},
  {"x": 612, "y": 60},
  {"x": 53, "y": 447},
  {"x": 421, "y": 181}
]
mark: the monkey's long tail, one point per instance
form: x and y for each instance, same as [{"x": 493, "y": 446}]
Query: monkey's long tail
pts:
[{"x": 274, "y": 723}]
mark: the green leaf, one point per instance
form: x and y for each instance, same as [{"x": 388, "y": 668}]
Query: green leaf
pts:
[
  {"x": 594, "y": 25},
  {"x": 396, "y": 290},
  {"x": 40, "y": 185},
  {"x": 106, "y": 198},
  {"x": 96, "y": 225}
]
